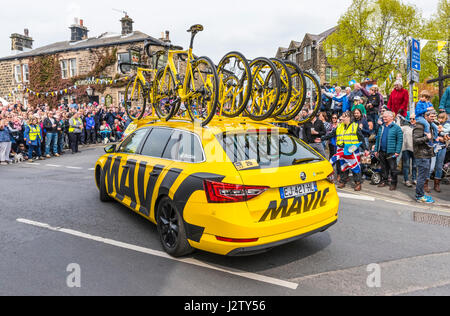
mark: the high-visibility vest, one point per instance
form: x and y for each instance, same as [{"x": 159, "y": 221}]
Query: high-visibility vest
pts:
[
  {"x": 72, "y": 127},
  {"x": 35, "y": 132},
  {"x": 347, "y": 135}
]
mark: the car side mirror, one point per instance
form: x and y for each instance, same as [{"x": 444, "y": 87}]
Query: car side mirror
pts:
[{"x": 110, "y": 149}]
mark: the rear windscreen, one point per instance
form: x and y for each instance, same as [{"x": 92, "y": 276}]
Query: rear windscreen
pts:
[{"x": 268, "y": 148}]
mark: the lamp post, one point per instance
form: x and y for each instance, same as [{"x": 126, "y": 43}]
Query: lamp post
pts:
[{"x": 89, "y": 91}]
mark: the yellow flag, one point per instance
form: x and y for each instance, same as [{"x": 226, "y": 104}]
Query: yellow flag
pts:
[{"x": 441, "y": 45}]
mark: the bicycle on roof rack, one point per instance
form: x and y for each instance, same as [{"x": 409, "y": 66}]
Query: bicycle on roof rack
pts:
[{"x": 197, "y": 93}]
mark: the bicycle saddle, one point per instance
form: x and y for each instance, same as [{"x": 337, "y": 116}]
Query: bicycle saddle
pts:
[{"x": 196, "y": 28}]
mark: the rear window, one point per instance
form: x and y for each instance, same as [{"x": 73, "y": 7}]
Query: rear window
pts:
[{"x": 268, "y": 148}]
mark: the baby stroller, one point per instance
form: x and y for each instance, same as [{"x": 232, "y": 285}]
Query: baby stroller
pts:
[{"x": 371, "y": 168}]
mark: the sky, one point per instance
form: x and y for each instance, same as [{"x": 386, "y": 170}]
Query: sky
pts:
[{"x": 253, "y": 27}]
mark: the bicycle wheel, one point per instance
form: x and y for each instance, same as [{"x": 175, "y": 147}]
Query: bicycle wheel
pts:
[
  {"x": 313, "y": 98},
  {"x": 266, "y": 90},
  {"x": 165, "y": 94},
  {"x": 235, "y": 84},
  {"x": 298, "y": 96},
  {"x": 135, "y": 99},
  {"x": 203, "y": 85},
  {"x": 286, "y": 86}
]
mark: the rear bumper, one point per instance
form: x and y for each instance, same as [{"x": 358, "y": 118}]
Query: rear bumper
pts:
[
  {"x": 247, "y": 251},
  {"x": 210, "y": 243}
]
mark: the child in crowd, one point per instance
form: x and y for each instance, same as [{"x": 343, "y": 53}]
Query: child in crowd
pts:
[{"x": 423, "y": 106}]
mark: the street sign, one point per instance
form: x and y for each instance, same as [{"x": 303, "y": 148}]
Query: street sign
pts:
[
  {"x": 415, "y": 55},
  {"x": 413, "y": 76}
]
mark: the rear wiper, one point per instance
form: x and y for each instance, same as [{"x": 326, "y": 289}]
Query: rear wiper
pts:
[{"x": 304, "y": 160}]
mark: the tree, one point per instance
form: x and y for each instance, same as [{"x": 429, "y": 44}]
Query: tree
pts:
[
  {"x": 436, "y": 29},
  {"x": 371, "y": 39}
]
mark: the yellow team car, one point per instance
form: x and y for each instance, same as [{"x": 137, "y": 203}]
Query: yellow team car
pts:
[{"x": 232, "y": 188}]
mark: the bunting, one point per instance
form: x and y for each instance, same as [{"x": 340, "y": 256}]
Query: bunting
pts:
[{"x": 88, "y": 81}]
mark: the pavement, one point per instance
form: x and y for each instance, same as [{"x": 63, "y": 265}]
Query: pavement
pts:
[{"x": 405, "y": 195}]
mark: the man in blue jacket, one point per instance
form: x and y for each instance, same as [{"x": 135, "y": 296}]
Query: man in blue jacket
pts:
[
  {"x": 388, "y": 147},
  {"x": 90, "y": 129}
]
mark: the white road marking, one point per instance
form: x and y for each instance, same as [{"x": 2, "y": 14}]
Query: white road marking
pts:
[
  {"x": 161, "y": 254},
  {"x": 75, "y": 168},
  {"x": 33, "y": 163},
  {"x": 356, "y": 197},
  {"x": 54, "y": 166},
  {"x": 91, "y": 169}
]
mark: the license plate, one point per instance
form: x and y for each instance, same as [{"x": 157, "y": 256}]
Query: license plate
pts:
[{"x": 298, "y": 190}]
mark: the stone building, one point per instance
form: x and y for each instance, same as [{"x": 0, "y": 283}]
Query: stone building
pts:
[
  {"x": 311, "y": 56},
  {"x": 78, "y": 57}
]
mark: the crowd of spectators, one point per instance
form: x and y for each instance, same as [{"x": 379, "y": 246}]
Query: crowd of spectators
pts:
[
  {"x": 40, "y": 132},
  {"x": 401, "y": 143}
]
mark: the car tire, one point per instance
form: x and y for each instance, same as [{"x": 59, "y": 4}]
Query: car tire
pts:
[
  {"x": 171, "y": 229},
  {"x": 103, "y": 192}
]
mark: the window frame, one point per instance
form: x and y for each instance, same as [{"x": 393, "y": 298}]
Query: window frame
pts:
[
  {"x": 25, "y": 73},
  {"x": 139, "y": 148},
  {"x": 72, "y": 70},
  {"x": 174, "y": 130},
  {"x": 64, "y": 69},
  {"x": 18, "y": 75}
]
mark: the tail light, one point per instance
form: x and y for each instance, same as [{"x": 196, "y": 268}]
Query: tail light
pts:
[
  {"x": 332, "y": 177},
  {"x": 237, "y": 240},
  {"x": 218, "y": 192}
]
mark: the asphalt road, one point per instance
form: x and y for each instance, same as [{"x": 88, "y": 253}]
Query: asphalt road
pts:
[{"x": 57, "y": 238}]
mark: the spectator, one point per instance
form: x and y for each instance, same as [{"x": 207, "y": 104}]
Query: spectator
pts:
[
  {"x": 90, "y": 129},
  {"x": 408, "y": 159},
  {"x": 118, "y": 130},
  {"x": 5, "y": 142},
  {"x": 348, "y": 134},
  {"x": 105, "y": 132},
  {"x": 359, "y": 104},
  {"x": 399, "y": 100},
  {"x": 423, "y": 153},
  {"x": 33, "y": 138},
  {"x": 388, "y": 148},
  {"x": 75, "y": 130},
  {"x": 445, "y": 101},
  {"x": 373, "y": 104},
  {"x": 440, "y": 149},
  {"x": 51, "y": 127},
  {"x": 423, "y": 106},
  {"x": 358, "y": 91},
  {"x": 363, "y": 125},
  {"x": 313, "y": 132}
]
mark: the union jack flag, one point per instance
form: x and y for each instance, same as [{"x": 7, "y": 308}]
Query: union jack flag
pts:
[{"x": 349, "y": 160}]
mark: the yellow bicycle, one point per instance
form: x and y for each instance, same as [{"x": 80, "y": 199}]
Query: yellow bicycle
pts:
[{"x": 196, "y": 92}]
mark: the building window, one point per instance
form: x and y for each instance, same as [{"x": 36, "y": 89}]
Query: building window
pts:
[
  {"x": 68, "y": 68},
  {"x": 332, "y": 52},
  {"x": 64, "y": 69},
  {"x": 307, "y": 53},
  {"x": 328, "y": 72},
  {"x": 73, "y": 67},
  {"x": 26, "y": 73},
  {"x": 18, "y": 73}
]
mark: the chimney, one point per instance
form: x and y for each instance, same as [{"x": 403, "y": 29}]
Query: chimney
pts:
[
  {"x": 78, "y": 31},
  {"x": 20, "y": 43},
  {"x": 127, "y": 25},
  {"x": 167, "y": 39}
]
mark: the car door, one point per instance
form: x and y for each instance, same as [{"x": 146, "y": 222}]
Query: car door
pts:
[
  {"x": 152, "y": 171},
  {"x": 125, "y": 168}
]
